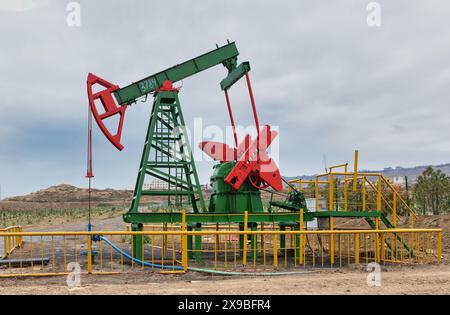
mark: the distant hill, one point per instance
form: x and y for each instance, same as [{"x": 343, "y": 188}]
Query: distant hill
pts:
[
  {"x": 70, "y": 197},
  {"x": 69, "y": 193},
  {"x": 66, "y": 197},
  {"x": 411, "y": 172}
]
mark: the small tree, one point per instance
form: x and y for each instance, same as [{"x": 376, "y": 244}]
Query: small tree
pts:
[{"x": 432, "y": 192}]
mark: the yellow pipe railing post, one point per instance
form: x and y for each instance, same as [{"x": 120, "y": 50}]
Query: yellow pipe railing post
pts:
[
  {"x": 184, "y": 243},
  {"x": 394, "y": 209},
  {"x": 300, "y": 261},
  {"x": 356, "y": 237},
  {"x": 14, "y": 238},
  {"x": 331, "y": 218},
  {"x": 345, "y": 188},
  {"x": 377, "y": 219},
  {"x": 89, "y": 254},
  {"x": 5, "y": 248},
  {"x": 355, "y": 170},
  {"x": 379, "y": 194},
  {"x": 364, "y": 193},
  {"x": 411, "y": 235},
  {"x": 317, "y": 192},
  {"x": 17, "y": 229},
  {"x": 275, "y": 251},
  {"x": 244, "y": 249},
  {"x": 19, "y": 238},
  {"x": 164, "y": 242},
  {"x": 331, "y": 192},
  {"x": 439, "y": 247},
  {"x": 377, "y": 241}
]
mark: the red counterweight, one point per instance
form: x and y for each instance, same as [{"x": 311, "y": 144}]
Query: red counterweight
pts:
[{"x": 252, "y": 159}]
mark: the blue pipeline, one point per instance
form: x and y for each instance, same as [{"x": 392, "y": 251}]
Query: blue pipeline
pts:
[
  {"x": 225, "y": 273},
  {"x": 137, "y": 261}
]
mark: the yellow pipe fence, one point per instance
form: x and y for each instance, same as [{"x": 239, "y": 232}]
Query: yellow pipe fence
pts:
[
  {"x": 49, "y": 253},
  {"x": 10, "y": 243}
]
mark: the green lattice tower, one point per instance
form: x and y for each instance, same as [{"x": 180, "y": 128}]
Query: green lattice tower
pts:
[{"x": 167, "y": 156}]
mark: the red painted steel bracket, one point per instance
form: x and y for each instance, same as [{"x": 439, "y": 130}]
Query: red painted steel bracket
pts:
[{"x": 109, "y": 106}]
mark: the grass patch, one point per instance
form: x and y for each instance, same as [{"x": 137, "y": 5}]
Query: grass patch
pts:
[{"x": 26, "y": 217}]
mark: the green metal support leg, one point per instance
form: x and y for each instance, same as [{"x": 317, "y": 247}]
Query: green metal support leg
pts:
[
  {"x": 241, "y": 241},
  {"x": 189, "y": 244},
  {"x": 297, "y": 242},
  {"x": 137, "y": 241},
  {"x": 254, "y": 240},
  {"x": 282, "y": 239}
]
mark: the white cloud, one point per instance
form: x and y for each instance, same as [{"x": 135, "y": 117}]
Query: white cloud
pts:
[
  {"x": 21, "y": 5},
  {"x": 319, "y": 72}
]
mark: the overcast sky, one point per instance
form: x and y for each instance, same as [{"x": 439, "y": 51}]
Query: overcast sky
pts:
[{"x": 329, "y": 81}]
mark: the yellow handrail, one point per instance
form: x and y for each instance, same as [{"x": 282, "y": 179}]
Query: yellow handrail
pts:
[
  {"x": 411, "y": 211},
  {"x": 348, "y": 176},
  {"x": 64, "y": 247},
  {"x": 212, "y": 232},
  {"x": 11, "y": 242}
]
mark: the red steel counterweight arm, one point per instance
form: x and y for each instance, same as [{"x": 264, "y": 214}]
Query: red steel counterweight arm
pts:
[
  {"x": 255, "y": 114},
  {"x": 231, "y": 118}
]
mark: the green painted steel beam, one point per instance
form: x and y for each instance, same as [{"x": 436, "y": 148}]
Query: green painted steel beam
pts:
[
  {"x": 165, "y": 152},
  {"x": 235, "y": 75},
  {"x": 169, "y": 164},
  {"x": 175, "y": 217},
  {"x": 287, "y": 218},
  {"x": 130, "y": 93},
  {"x": 166, "y": 139},
  {"x": 174, "y": 179},
  {"x": 284, "y": 218},
  {"x": 284, "y": 205}
]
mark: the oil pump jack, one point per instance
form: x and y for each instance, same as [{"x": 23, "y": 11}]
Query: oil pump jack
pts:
[{"x": 237, "y": 180}]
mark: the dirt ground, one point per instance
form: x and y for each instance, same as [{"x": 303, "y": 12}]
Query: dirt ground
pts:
[
  {"x": 417, "y": 279},
  {"x": 410, "y": 280}
]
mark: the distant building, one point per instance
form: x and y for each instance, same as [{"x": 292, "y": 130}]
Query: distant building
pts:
[
  {"x": 397, "y": 180},
  {"x": 156, "y": 185},
  {"x": 207, "y": 186}
]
